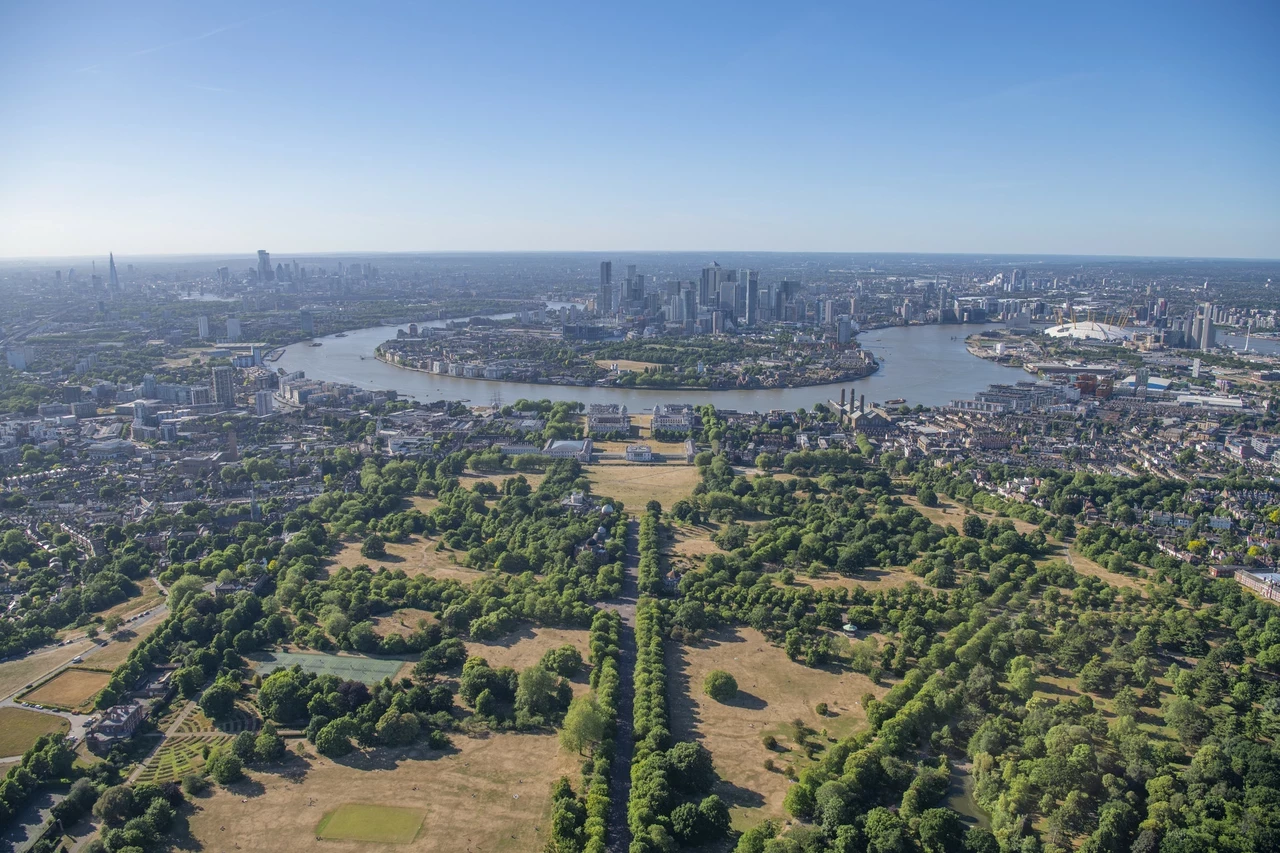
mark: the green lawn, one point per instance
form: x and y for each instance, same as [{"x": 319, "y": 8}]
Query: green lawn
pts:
[
  {"x": 367, "y": 822},
  {"x": 19, "y": 729},
  {"x": 351, "y": 667}
]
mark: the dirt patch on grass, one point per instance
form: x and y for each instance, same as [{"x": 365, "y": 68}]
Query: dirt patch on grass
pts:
[
  {"x": 70, "y": 689},
  {"x": 688, "y": 546},
  {"x": 487, "y": 794},
  {"x": 417, "y": 556},
  {"x": 773, "y": 691},
  {"x": 525, "y": 647},
  {"x": 636, "y": 485},
  {"x": 20, "y": 727},
  {"x": 16, "y": 674}
]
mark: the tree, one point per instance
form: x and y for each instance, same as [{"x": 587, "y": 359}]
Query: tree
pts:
[
  {"x": 219, "y": 700},
  {"x": 692, "y": 770},
  {"x": 973, "y": 527},
  {"x": 224, "y": 766},
  {"x": 886, "y": 832},
  {"x": 940, "y": 831},
  {"x": 540, "y": 693},
  {"x": 333, "y": 740},
  {"x": 566, "y": 661},
  {"x": 374, "y": 548},
  {"x": 245, "y": 747},
  {"x": 927, "y": 496},
  {"x": 584, "y": 724},
  {"x": 720, "y": 685},
  {"x": 281, "y": 697},
  {"x": 268, "y": 746},
  {"x": 397, "y": 729},
  {"x": 111, "y": 623},
  {"x": 115, "y": 805}
]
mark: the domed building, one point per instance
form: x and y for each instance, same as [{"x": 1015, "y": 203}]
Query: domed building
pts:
[{"x": 1090, "y": 331}]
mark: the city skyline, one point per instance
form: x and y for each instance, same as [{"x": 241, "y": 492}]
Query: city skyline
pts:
[{"x": 1101, "y": 130}]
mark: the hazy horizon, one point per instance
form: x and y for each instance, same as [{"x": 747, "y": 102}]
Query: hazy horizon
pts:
[{"x": 1095, "y": 129}]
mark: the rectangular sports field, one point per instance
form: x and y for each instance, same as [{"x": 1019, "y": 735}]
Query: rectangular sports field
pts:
[
  {"x": 348, "y": 667},
  {"x": 368, "y": 822},
  {"x": 70, "y": 689}
]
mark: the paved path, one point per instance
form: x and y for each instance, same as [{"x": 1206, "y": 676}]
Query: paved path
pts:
[{"x": 619, "y": 835}]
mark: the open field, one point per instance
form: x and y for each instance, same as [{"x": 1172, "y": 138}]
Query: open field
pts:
[
  {"x": 772, "y": 692},
  {"x": 525, "y": 647},
  {"x": 20, "y": 727},
  {"x": 369, "y": 822},
  {"x": 487, "y": 794},
  {"x": 636, "y": 485},
  {"x": 416, "y": 557},
  {"x": 403, "y": 622},
  {"x": 469, "y": 479},
  {"x": 625, "y": 364},
  {"x": 1085, "y": 566},
  {"x": 149, "y": 598},
  {"x": 70, "y": 689},
  {"x": 867, "y": 578},
  {"x": 350, "y": 667},
  {"x": 948, "y": 512},
  {"x": 688, "y": 546},
  {"x": 15, "y": 674},
  {"x": 115, "y": 654}
]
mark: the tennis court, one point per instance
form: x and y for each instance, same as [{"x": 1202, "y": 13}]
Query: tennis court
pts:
[{"x": 348, "y": 667}]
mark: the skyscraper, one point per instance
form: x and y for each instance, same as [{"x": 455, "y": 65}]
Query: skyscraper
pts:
[
  {"x": 265, "y": 272},
  {"x": 233, "y": 329},
  {"x": 308, "y": 323},
  {"x": 753, "y": 295},
  {"x": 1208, "y": 333},
  {"x": 604, "y": 303},
  {"x": 709, "y": 287},
  {"x": 202, "y": 326},
  {"x": 112, "y": 278},
  {"x": 263, "y": 403},
  {"x": 224, "y": 389}
]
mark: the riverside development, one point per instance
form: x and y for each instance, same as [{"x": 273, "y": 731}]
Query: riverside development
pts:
[{"x": 781, "y": 553}]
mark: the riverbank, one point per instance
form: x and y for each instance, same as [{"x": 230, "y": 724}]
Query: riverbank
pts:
[{"x": 615, "y": 382}]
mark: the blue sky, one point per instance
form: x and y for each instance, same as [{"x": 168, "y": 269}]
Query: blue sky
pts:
[{"x": 1095, "y": 128}]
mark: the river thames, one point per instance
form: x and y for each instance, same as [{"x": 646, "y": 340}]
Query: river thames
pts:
[{"x": 921, "y": 364}]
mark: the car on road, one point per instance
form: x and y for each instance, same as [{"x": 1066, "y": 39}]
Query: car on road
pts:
[{"x": 77, "y": 659}]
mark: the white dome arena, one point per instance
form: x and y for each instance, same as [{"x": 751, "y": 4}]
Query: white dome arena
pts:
[{"x": 1090, "y": 331}]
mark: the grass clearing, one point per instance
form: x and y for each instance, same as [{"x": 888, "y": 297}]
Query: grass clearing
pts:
[
  {"x": 773, "y": 691},
  {"x": 867, "y": 578},
  {"x": 417, "y": 556},
  {"x": 486, "y": 793},
  {"x": 16, "y": 674},
  {"x": 19, "y": 728},
  {"x": 369, "y": 822},
  {"x": 636, "y": 485},
  {"x": 403, "y": 622},
  {"x": 524, "y": 648},
  {"x": 70, "y": 689},
  {"x": 688, "y": 546},
  {"x": 350, "y": 667}
]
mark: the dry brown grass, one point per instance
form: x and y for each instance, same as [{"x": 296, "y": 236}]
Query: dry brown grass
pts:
[
  {"x": 773, "y": 691},
  {"x": 868, "y": 578},
  {"x": 16, "y": 674},
  {"x": 403, "y": 622},
  {"x": 525, "y": 647},
  {"x": 688, "y": 546},
  {"x": 488, "y": 794},
  {"x": 72, "y": 688},
  {"x": 115, "y": 654},
  {"x": 19, "y": 728},
  {"x": 418, "y": 556},
  {"x": 636, "y": 485},
  {"x": 1083, "y": 565},
  {"x": 469, "y": 479},
  {"x": 949, "y": 512},
  {"x": 625, "y": 364}
]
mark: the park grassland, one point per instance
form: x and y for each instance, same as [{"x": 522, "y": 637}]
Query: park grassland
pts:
[
  {"x": 490, "y": 794},
  {"x": 773, "y": 692},
  {"x": 635, "y": 485},
  {"x": 19, "y": 728},
  {"x": 72, "y": 689},
  {"x": 370, "y": 822}
]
